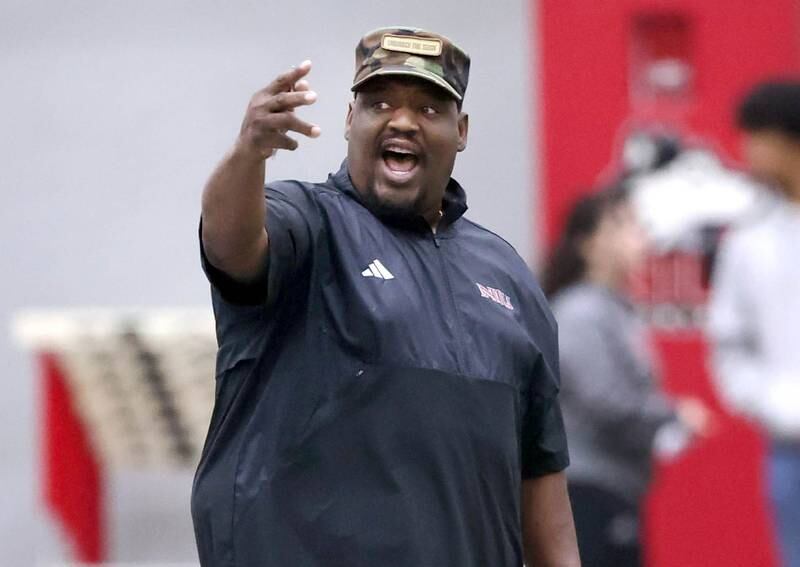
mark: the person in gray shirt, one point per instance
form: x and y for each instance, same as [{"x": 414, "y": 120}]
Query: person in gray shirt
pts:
[{"x": 614, "y": 412}]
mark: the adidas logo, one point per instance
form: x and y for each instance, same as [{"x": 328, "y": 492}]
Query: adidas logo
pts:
[{"x": 377, "y": 270}]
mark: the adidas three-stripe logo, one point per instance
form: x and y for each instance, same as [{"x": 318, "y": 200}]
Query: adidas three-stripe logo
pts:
[{"x": 377, "y": 270}]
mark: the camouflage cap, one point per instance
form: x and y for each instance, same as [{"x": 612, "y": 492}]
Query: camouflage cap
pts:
[{"x": 414, "y": 52}]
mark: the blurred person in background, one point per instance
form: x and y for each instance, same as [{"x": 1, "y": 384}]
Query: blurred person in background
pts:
[
  {"x": 615, "y": 415},
  {"x": 755, "y": 304}
]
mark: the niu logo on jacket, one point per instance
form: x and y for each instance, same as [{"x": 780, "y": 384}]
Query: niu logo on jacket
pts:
[{"x": 495, "y": 295}]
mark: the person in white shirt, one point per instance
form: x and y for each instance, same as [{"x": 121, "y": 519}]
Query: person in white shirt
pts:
[
  {"x": 754, "y": 315},
  {"x": 616, "y": 416}
]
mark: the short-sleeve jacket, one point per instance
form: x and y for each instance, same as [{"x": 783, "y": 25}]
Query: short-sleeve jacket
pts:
[{"x": 382, "y": 391}]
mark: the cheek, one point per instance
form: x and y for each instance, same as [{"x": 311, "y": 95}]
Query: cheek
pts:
[
  {"x": 360, "y": 135},
  {"x": 757, "y": 159},
  {"x": 363, "y": 129},
  {"x": 607, "y": 250},
  {"x": 762, "y": 157},
  {"x": 637, "y": 248},
  {"x": 444, "y": 150},
  {"x": 443, "y": 134},
  {"x": 626, "y": 247}
]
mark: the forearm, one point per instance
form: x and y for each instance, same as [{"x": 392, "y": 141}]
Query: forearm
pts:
[
  {"x": 637, "y": 426},
  {"x": 604, "y": 394},
  {"x": 234, "y": 210},
  {"x": 548, "y": 530}
]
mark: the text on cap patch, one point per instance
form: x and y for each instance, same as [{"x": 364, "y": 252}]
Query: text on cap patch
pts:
[{"x": 415, "y": 45}]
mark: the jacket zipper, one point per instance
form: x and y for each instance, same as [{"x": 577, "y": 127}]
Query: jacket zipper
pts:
[{"x": 459, "y": 328}]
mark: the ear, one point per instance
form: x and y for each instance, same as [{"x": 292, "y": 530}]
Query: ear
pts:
[
  {"x": 348, "y": 120},
  {"x": 463, "y": 131}
]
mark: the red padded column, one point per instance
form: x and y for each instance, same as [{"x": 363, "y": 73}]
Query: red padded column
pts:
[{"x": 73, "y": 487}]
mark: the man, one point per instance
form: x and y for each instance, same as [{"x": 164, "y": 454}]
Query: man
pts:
[
  {"x": 755, "y": 307},
  {"x": 387, "y": 372}
]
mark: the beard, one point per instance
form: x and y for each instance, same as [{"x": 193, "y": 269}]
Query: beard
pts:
[{"x": 389, "y": 211}]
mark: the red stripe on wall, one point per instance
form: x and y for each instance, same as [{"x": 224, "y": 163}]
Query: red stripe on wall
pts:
[{"x": 73, "y": 490}]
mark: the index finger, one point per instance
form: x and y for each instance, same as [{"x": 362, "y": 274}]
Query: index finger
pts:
[{"x": 286, "y": 81}]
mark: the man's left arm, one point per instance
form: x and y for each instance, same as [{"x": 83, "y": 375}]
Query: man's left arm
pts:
[{"x": 548, "y": 531}]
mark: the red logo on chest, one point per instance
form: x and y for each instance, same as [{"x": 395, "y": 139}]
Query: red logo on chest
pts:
[{"x": 495, "y": 295}]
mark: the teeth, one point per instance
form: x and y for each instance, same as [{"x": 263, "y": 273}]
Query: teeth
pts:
[{"x": 400, "y": 151}]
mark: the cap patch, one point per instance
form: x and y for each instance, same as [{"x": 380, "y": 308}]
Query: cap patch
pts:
[{"x": 415, "y": 45}]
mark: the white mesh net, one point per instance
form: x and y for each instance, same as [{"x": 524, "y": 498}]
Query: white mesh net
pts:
[{"x": 141, "y": 380}]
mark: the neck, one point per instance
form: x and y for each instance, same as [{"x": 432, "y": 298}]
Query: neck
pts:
[
  {"x": 792, "y": 178},
  {"x": 793, "y": 190},
  {"x": 606, "y": 277}
]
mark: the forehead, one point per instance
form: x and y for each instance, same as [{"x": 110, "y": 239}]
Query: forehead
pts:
[{"x": 404, "y": 85}]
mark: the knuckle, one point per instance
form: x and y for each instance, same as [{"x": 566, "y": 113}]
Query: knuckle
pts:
[
  {"x": 260, "y": 130},
  {"x": 279, "y": 99},
  {"x": 268, "y": 122},
  {"x": 276, "y": 83},
  {"x": 282, "y": 81},
  {"x": 256, "y": 125},
  {"x": 281, "y": 120}
]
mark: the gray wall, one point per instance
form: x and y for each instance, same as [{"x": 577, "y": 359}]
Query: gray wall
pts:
[{"x": 112, "y": 115}]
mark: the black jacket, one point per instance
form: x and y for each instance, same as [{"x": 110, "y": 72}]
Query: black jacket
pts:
[{"x": 381, "y": 392}]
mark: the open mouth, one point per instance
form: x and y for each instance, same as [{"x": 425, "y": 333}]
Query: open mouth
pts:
[{"x": 400, "y": 161}]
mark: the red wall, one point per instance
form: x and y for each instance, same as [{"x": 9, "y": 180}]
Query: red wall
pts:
[
  {"x": 583, "y": 51},
  {"x": 708, "y": 508}
]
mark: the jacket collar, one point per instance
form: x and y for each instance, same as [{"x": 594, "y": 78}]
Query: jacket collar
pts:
[{"x": 454, "y": 203}]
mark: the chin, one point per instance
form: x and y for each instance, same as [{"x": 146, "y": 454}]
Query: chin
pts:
[{"x": 390, "y": 202}]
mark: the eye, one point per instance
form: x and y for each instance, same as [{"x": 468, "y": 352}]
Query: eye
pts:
[
  {"x": 429, "y": 110},
  {"x": 380, "y": 105}
]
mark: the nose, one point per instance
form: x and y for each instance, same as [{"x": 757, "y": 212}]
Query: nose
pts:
[{"x": 404, "y": 120}]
